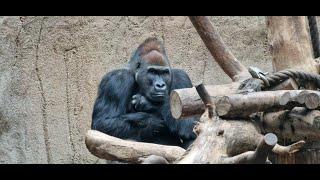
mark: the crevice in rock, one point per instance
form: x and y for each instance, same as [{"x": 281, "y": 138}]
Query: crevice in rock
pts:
[
  {"x": 17, "y": 46},
  {"x": 204, "y": 70},
  {"x": 44, "y": 101},
  {"x": 68, "y": 100}
]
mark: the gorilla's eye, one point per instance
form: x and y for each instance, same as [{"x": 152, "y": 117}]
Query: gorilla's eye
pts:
[
  {"x": 138, "y": 65},
  {"x": 152, "y": 71}
]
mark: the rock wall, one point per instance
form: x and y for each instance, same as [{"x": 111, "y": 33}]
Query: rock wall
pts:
[{"x": 50, "y": 68}]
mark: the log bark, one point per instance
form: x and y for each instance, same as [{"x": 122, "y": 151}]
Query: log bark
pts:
[
  {"x": 243, "y": 105},
  {"x": 314, "y": 34},
  {"x": 112, "y": 148},
  {"x": 222, "y": 55},
  {"x": 288, "y": 84},
  {"x": 295, "y": 125}
]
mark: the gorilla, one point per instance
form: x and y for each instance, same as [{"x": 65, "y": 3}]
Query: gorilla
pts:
[{"x": 133, "y": 103}]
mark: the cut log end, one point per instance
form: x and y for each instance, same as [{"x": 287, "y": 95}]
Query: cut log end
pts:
[
  {"x": 312, "y": 100},
  {"x": 285, "y": 98},
  {"x": 223, "y": 106},
  {"x": 175, "y": 105},
  {"x": 271, "y": 139}
]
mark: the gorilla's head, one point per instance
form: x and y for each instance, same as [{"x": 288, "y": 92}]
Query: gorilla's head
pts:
[{"x": 152, "y": 70}]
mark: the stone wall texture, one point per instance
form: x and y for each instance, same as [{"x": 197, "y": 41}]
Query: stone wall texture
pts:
[{"x": 50, "y": 68}]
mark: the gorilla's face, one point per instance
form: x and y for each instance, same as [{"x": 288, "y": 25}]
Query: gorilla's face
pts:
[{"x": 154, "y": 82}]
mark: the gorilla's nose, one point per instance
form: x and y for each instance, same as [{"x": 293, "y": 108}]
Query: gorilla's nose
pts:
[{"x": 160, "y": 86}]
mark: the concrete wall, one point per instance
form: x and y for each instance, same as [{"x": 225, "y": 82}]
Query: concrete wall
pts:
[{"x": 50, "y": 68}]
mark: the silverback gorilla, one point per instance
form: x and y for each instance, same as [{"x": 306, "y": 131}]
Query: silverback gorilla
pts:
[{"x": 133, "y": 103}]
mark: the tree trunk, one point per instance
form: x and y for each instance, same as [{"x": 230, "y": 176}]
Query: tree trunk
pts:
[
  {"x": 290, "y": 43},
  {"x": 291, "y": 49}
]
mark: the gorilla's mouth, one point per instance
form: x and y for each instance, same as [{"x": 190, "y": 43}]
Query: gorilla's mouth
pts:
[{"x": 158, "y": 96}]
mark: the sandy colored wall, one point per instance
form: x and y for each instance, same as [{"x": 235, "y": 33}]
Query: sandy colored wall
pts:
[{"x": 50, "y": 68}]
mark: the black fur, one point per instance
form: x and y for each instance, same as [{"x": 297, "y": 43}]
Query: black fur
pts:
[{"x": 145, "y": 119}]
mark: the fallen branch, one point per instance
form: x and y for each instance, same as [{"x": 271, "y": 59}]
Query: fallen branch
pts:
[
  {"x": 282, "y": 150},
  {"x": 259, "y": 156},
  {"x": 112, "y": 148}
]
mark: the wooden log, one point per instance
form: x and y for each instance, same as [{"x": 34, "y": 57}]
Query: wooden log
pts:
[
  {"x": 112, "y": 148},
  {"x": 243, "y": 105},
  {"x": 288, "y": 84},
  {"x": 187, "y": 102},
  {"x": 295, "y": 125},
  {"x": 226, "y": 139},
  {"x": 310, "y": 99},
  {"x": 222, "y": 55},
  {"x": 231, "y": 141}
]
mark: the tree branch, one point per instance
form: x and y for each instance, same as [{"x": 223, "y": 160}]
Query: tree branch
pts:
[
  {"x": 222, "y": 55},
  {"x": 112, "y": 148},
  {"x": 259, "y": 156}
]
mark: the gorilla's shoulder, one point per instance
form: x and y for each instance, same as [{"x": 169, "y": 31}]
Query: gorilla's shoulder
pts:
[
  {"x": 180, "y": 79},
  {"x": 117, "y": 76}
]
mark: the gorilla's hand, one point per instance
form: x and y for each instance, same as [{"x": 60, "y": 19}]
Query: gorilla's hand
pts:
[
  {"x": 186, "y": 129},
  {"x": 141, "y": 104},
  {"x": 149, "y": 125},
  {"x": 154, "y": 127}
]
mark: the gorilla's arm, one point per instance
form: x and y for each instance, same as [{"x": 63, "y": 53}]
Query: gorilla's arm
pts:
[
  {"x": 112, "y": 109},
  {"x": 184, "y": 127}
]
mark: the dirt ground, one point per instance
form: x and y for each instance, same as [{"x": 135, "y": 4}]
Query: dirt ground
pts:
[{"x": 50, "y": 68}]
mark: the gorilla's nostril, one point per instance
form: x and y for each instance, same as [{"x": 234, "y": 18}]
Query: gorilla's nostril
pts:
[{"x": 160, "y": 85}]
